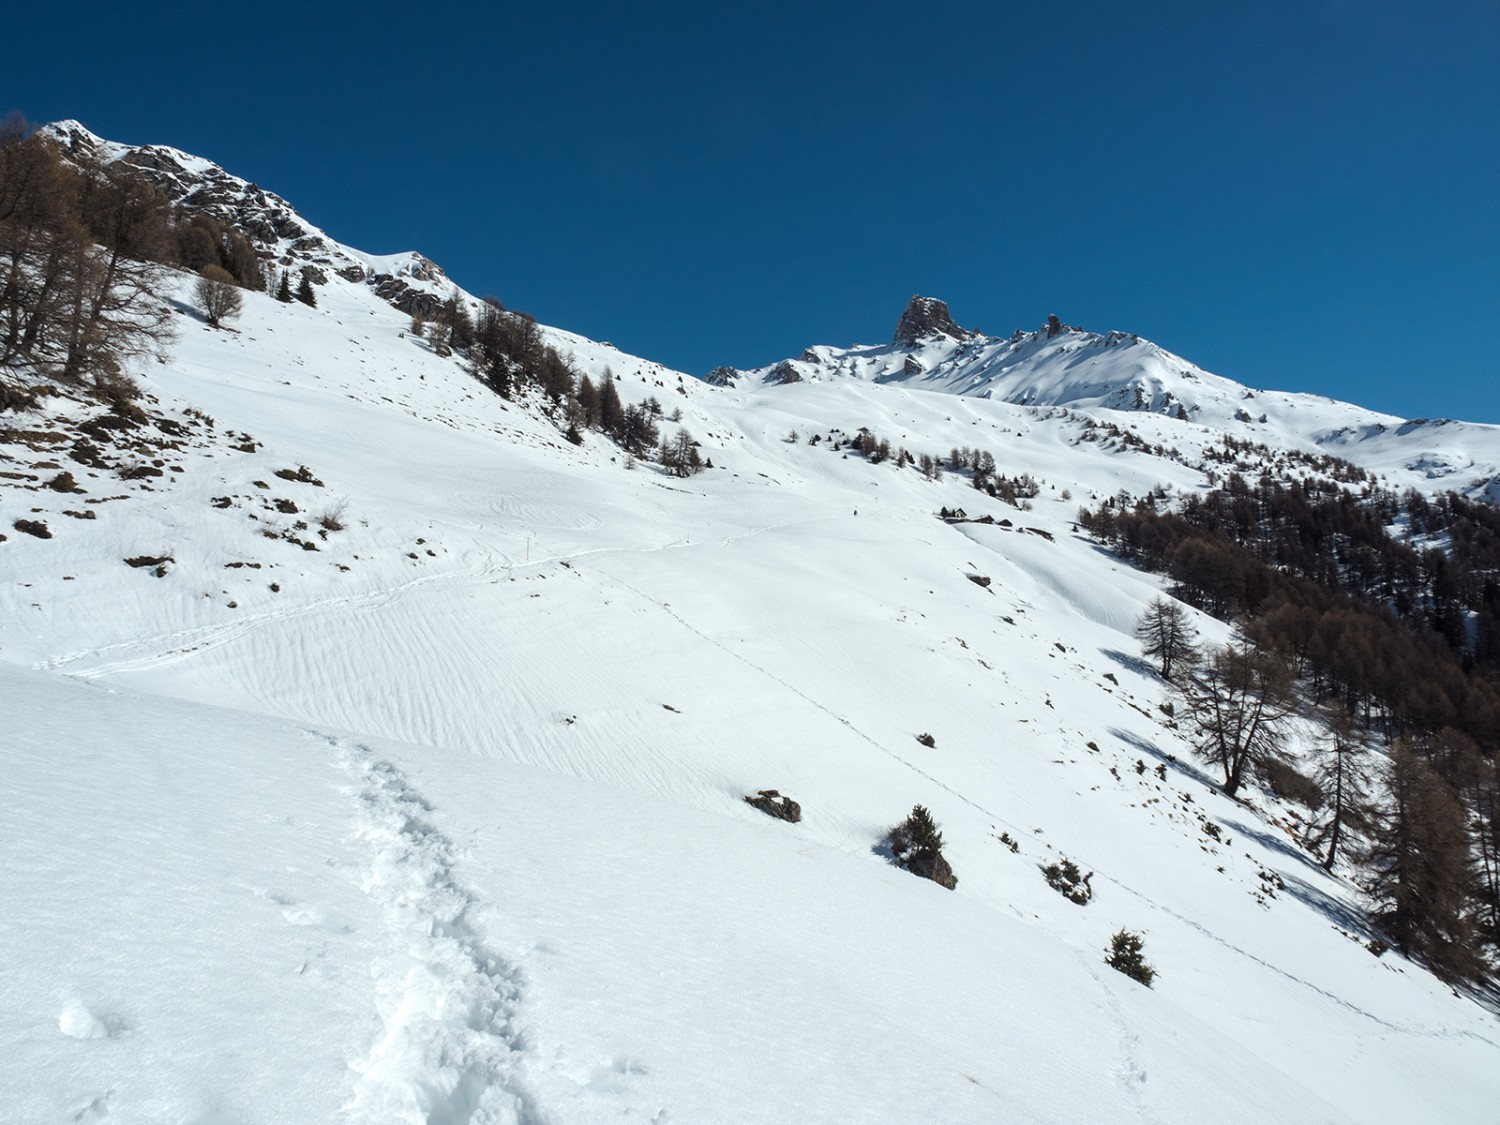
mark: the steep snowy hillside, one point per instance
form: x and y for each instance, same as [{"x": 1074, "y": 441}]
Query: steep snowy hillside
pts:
[
  {"x": 1060, "y": 365},
  {"x": 377, "y": 754}
]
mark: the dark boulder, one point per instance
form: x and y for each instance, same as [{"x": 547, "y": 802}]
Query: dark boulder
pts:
[
  {"x": 931, "y": 865},
  {"x": 772, "y": 803}
]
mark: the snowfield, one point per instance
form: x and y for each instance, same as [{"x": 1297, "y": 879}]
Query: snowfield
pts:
[{"x": 437, "y": 816}]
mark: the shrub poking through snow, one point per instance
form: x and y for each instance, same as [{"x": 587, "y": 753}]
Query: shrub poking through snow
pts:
[
  {"x": 34, "y": 527},
  {"x": 1126, "y": 955},
  {"x": 332, "y": 518},
  {"x": 302, "y": 474},
  {"x": 772, "y": 803},
  {"x": 928, "y": 741},
  {"x": 917, "y": 845},
  {"x": 1066, "y": 879}
]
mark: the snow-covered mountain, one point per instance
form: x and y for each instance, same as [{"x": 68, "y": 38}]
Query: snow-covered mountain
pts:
[
  {"x": 376, "y": 754},
  {"x": 1063, "y": 366}
]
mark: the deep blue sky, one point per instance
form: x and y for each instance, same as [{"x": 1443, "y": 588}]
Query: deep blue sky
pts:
[{"x": 1303, "y": 196}]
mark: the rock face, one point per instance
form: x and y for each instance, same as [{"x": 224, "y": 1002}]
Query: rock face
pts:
[
  {"x": 784, "y": 373},
  {"x": 722, "y": 377},
  {"x": 929, "y": 864},
  {"x": 924, "y": 317},
  {"x": 275, "y": 229}
]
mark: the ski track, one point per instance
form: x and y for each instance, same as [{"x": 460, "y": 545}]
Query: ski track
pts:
[
  {"x": 449, "y": 1051},
  {"x": 182, "y": 643}
]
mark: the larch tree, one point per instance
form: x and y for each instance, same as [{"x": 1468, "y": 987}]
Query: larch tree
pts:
[
  {"x": 1342, "y": 777},
  {"x": 1239, "y": 703},
  {"x": 1421, "y": 871},
  {"x": 1167, "y": 636}
]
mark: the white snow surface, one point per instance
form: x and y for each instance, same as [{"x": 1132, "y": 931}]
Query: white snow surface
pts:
[{"x": 447, "y": 826}]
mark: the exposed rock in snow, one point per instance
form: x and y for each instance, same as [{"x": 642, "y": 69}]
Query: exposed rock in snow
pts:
[{"x": 924, "y": 317}]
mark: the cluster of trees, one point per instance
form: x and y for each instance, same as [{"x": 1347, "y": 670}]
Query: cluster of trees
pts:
[
  {"x": 82, "y": 251},
  {"x": 77, "y": 272},
  {"x": 1243, "y": 456},
  {"x": 510, "y": 356},
  {"x": 979, "y": 463},
  {"x": 1369, "y": 621},
  {"x": 1335, "y": 614}
]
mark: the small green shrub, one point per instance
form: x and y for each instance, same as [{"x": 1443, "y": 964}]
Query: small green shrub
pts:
[
  {"x": 918, "y": 832},
  {"x": 1067, "y": 880},
  {"x": 1127, "y": 955},
  {"x": 917, "y": 845}
]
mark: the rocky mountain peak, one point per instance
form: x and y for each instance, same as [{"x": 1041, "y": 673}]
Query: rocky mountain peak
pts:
[
  {"x": 411, "y": 282},
  {"x": 924, "y": 317}
]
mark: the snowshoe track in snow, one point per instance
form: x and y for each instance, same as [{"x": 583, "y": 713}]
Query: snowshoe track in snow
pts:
[{"x": 449, "y": 1052}]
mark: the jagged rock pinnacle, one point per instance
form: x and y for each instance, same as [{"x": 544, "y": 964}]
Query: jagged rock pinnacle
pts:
[{"x": 923, "y": 317}]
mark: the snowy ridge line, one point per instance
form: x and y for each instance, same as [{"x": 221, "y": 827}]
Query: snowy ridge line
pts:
[{"x": 449, "y": 1052}]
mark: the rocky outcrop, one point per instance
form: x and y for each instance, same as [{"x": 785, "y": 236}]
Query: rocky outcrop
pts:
[
  {"x": 722, "y": 377},
  {"x": 924, "y": 318},
  {"x": 784, "y": 373},
  {"x": 772, "y": 803},
  {"x": 929, "y": 864},
  {"x": 273, "y": 226},
  {"x": 414, "y": 302}
]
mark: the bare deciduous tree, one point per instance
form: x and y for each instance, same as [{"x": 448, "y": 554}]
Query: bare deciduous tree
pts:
[
  {"x": 1341, "y": 776},
  {"x": 1240, "y": 702},
  {"x": 218, "y": 295}
]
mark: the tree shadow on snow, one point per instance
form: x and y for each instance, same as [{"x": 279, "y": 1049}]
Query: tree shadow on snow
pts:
[
  {"x": 187, "y": 310},
  {"x": 1171, "y": 761},
  {"x": 1132, "y": 664}
]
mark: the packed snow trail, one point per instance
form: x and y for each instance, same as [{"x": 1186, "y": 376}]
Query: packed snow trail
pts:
[{"x": 449, "y": 1052}]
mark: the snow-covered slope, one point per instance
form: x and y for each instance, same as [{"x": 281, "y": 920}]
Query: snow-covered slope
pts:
[
  {"x": 1128, "y": 377},
  {"x": 430, "y": 809}
]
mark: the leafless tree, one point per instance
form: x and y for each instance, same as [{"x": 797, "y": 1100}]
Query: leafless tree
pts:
[
  {"x": 218, "y": 294},
  {"x": 1239, "y": 704}
]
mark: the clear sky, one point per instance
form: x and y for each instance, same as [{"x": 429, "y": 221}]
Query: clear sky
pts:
[{"x": 1303, "y": 196}]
